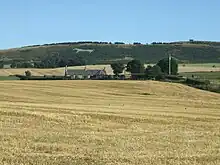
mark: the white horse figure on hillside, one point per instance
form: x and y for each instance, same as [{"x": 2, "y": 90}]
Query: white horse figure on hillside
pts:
[{"x": 83, "y": 50}]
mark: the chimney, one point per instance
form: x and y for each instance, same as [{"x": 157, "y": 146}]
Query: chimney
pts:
[{"x": 104, "y": 70}]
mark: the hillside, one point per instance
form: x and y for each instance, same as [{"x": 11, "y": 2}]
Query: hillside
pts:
[
  {"x": 111, "y": 122},
  {"x": 104, "y": 53}
]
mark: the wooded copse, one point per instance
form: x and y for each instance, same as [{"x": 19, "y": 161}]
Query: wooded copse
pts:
[
  {"x": 160, "y": 72},
  {"x": 138, "y": 71}
]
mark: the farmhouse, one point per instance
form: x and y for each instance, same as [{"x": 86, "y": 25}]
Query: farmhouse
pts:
[
  {"x": 5, "y": 62},
  {"x": 6, "y": 66},
  {"x": 85, "y": 73}
]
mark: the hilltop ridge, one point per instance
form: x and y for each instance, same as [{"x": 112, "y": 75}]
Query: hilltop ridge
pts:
[{"x": 88, "y": 52}]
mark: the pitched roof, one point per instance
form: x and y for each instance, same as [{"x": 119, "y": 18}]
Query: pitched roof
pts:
[
  {"x": 83, "y": 72},
  {"x": 76, "y": 72},
  {"x": 92, "y": 72}
]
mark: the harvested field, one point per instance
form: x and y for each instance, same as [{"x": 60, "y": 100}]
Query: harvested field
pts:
[{"x": 108, "y": 122}]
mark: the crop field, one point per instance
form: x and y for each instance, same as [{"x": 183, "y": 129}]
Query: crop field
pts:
[
  {"x": 60, "y": 71},
  {"x": 108, "y": 122}
]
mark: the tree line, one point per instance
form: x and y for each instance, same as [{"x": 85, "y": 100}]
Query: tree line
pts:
[{"x": 138, "y": 70}]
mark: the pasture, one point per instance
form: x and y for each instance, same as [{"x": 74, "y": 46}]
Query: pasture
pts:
[{"x": 108, "y": 122}]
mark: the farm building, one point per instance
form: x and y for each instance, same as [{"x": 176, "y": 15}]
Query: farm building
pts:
[
  {"x": 85, "y": 73},
  {"x": 5, "y": 62},
  {"x": 6, "y": 66}
]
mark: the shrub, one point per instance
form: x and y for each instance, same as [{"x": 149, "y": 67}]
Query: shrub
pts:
[
  {"x": 197, "y": 82},
  {"x": 153, "y": 72},
  {"x": 28, "y": 73}
]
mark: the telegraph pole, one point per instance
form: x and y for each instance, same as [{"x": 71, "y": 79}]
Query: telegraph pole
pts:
[
  {"x": 170, "y": 58},
  {"x": 65, "y": 71}
]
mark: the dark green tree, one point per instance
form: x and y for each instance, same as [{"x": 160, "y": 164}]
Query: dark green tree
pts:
[
  {"x": 153, "y": 72},
  {"x": 63, "y": 63},
  {"x": 117, "y": 68},
  {"x": 136, "y": 68},
  {"x": 26, "y": 65},
  {"x": 148, "y": 71},
  {"x": 164, "y": 65},
  {"x": 13, "y": 64}
]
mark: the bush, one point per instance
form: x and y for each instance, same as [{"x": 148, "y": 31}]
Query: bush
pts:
[
  {"x": 153, "y": 72},
  {"x": 174, "y": 77},
  {"x": 28, "y": 73},
  {"x": 197, "y": 82}
]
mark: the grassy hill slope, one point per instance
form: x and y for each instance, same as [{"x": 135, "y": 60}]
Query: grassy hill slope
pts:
[
  {"x": 111, "y": 122},
  {"x": 105, "y": 53}
]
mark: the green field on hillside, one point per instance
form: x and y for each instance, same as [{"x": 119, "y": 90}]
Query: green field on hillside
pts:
[{"x": 206, "y": 52}]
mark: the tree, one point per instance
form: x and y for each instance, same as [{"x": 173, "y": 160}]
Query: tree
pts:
[
  {"x": 153, "y": 72},
  {"x": 13, "y": 64},
  {"x": 26, "y": 65},
  {"x": 117, "y": 68},
  {"x": 63, "y": 63},
  {"x": 164, "y": 65},
  {"x": 76, "y": 61},
  {"x": 28, "y": 73},
  {"x": 136, "y": 68},
  {"x": 148, "y": 71}
]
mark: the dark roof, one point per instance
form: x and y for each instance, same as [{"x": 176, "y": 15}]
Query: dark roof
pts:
[
  {"x": 76, "y": 72},
  {"x": 93, "y": 72},
  {"x": 83, "y": 72}
]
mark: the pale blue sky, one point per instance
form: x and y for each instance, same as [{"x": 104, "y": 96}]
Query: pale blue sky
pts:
[{"x": 27, "y": 22}]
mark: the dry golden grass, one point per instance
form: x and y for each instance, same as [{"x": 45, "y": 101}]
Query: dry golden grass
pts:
[
  {"x": 108, "y": 122},
  {"x": 60, "y": 71}
]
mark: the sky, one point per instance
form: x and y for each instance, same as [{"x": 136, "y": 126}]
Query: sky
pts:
[{"x": 30, "y": 22}]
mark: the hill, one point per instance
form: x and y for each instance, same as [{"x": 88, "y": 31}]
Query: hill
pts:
[
  {"x": 80, "y": 53},
  {"x": 111, "y": 122}
]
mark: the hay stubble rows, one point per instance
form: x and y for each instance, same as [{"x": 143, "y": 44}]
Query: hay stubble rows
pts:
[{"x": 108, "y": 122}]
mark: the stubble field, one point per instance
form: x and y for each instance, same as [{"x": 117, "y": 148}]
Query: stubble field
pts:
[{"x": 108, "y": 122}]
